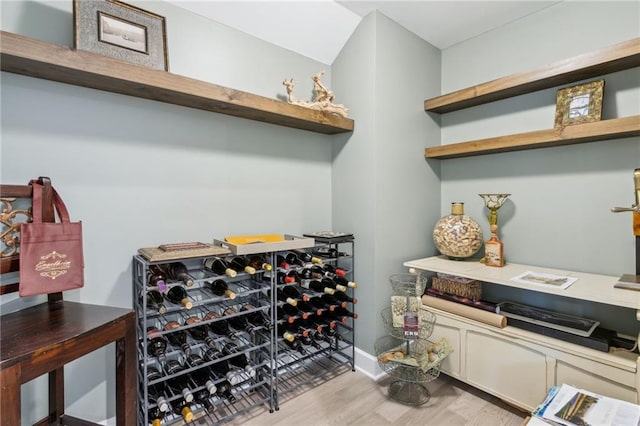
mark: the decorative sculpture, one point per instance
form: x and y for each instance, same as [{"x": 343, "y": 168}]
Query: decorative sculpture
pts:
[{"x": 323, "y": 99}]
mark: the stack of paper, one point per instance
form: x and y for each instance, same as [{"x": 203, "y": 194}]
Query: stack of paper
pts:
[{"x": 570, "y": 406}]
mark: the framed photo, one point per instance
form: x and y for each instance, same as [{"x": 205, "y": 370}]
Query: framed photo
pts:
[
  {"x": 579, "y": 104},
  {"x": 119, "y": 30}
]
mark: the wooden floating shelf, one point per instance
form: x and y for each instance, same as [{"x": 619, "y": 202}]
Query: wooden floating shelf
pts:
[
  {"x": 35, "y": 58},
  {"x": 580, "y": 133},
  {"x": 615, "y": 58}
]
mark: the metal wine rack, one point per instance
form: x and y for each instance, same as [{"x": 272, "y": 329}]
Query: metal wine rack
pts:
[{"x": 281, "y": 373}]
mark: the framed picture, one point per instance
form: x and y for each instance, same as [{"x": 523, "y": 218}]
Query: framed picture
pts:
[
  {"x": 119, "y": 30},
  {"x": 579, "y": 104}
]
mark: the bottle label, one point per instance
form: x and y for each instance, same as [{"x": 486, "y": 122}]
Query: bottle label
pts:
[{"x": 411, "y": 329}]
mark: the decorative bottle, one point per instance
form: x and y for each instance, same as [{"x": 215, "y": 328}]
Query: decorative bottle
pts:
[
  {"x": 494, "y": 249},
  {"x": 457, "y": 236}
]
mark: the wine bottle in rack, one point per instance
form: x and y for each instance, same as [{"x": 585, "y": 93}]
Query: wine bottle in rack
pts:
[
  {"x": 182, "y": 408},
  {"x": 178, "y": 295},
  {"x": 239, "y": 360},
  {"x": 239, "y": 264},
  {"x": 239, "y": 322},
  {"x": 308, "y": 324},
  {"x": 293, "y": 276},
  {"x": 292, "y": 259},
  {"x": 224, "y": 391},
  {"x": 340, "y": 311},
  {"x": 333, "y": 316},
  {"x": 258, "y": 263},
  {"x": 155, "y": 301},
  {"x": 304, "y": 274},
  {"x": 292, "y": 342},
  {"x": 202, "y": 376},
  {"x": 218, "y": 266},
  {"x": 157, "y": 390},
  {"x": 281, "y": 262},
  {"x": 219, "y": 327},
  {"x": 179, "y": 384},
  {"x": 308, "y": 257},
  {"x": 318, "y": 302},
  {"x": 339, "y": 279},
  {"x": 293, "y": 292},
  {"x": 155, "y": 416},
  {"x": 199, "y": 332},
  {"x": 221, "y": 368},
  {"x": 156, "y": 343},
  {"x": 333, "y": 300},
  {"x": 317, "y": 286},
  {"x": 281, "y": 316},
  {"x": 344, "y": 297},
  {"x": 178, "y": 271},
  {"x": 157, "y": 278},
  {"x": 256, "y": 318},
  {"x": 291, "y": 311},
  {"x": 309, "y": 308},
  {"x": 283, "y": 297},
  {"x": 330, "y": 269},
  {"x": 328, "y": 282},
  {"x": 203, "y": 398},
  {"x": 220, "y": 288},
  {"x": 177, "y": 337}
]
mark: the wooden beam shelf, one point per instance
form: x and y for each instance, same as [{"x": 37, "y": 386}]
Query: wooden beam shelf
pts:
[
  {"x": 615, "y": 58},
  {"x": 35, "y": 58},
  {"x": 580, "y": 133}
]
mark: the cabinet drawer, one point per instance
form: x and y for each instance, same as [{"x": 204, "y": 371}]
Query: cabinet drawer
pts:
[
  {"x": 506, "y": 369},
  {"x": 596, "y": 380}
]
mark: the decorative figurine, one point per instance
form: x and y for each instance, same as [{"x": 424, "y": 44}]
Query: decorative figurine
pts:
[
  {"x": 494, "y": 248},
  {"x": 323, "y": 99}
]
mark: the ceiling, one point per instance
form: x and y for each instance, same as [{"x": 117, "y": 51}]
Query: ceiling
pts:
[{"x": 319, "y": 29}]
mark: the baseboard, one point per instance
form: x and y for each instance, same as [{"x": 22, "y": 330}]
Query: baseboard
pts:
[{"x": 368, "y": 364}]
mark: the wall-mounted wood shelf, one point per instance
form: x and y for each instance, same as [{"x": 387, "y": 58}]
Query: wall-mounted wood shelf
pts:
[
  {"x": 615, "y": 58},
  {"x": 579, "y": 133},
  {"x": 35, "y": 58}
]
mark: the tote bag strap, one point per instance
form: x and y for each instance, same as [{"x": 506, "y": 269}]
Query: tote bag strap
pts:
[{"x": 60, "y": 207}]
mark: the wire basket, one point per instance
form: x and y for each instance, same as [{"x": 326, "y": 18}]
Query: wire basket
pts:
[
  {"x": 386, "y": 345},
  {"x": 426, "y": 321},
  {"x": 408, "y": 284}
]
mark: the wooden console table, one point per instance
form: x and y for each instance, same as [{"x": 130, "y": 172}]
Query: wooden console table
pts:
[{"x": 43, "y": 338}]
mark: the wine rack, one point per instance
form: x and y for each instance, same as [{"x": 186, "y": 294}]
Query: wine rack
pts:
[{"x": 276, "y": 371}]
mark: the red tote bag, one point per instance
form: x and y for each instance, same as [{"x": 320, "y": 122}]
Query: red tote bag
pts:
[{"x": 51, "y": 256}]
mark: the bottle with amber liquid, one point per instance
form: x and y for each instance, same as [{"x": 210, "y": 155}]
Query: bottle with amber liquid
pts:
[{"x": 494, "y": 249}]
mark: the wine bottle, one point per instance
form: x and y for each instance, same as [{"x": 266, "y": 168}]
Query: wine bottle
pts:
[
  {"x": 199, "y": 332},
  {"x": 332, "y": 300},
  {"x": 281, "y": 316},
  {"x": 292, "y": 259},
  {"x": 304, "y": 274},
  {"x": 317, "y": 286},
  {"x": 281, "y": 262},
  {"x": 219, "y": 266},
  {"x": 330, "y": 269},
  {"x": 155, "y": 301},
  {"x": 155, "y": 416},
  {"x": 308, "y": 258},
  {"x": 156, "y": 391},
  {"x": 224, "y": 391},
  {"x": 220, "y": 327},
  {"x": 340, "y": 311},
  {"x": 293, "y": 312},
  {"x": 202, "y": 376},
  {"x": 319, "y": 303},
  {"x": 203, "y": 398},
  {"x": 178, "y": 271},
  {"x": 344, "y": 297},
  {"x": 157, "y": 278},
  {"x": 258, "y": 262},
  {"x": 239, "y": 359},
  {"x": 178, "y": 295},
  {"x": 221, "y": 368},
  {"x": 238, "y": 264},
  {"x": 239, "y": 322},
  {"x": 307, "y": 307},
  {"x": 333, "y": 316},
  {"x": 255, "y": 317},
  {"x": 292, "y": 342},
  {"x": 281, "y": 277},
  {"x": 220, "y": 288},
  {"x": 338, "y": 279},
  {"x": 328, "y": 282},
  {"x": 182, "y": 408},
  {"x": 156, "y": 343},
  {"x": 293, "y": 292},
  {"x": 179, "y": 384},
  {"x": 309, "y": 324},
  {"x": 177, "y": 337}
]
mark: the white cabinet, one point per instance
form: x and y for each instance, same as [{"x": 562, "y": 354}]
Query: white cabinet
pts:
[{"x": 520, "y": 366}]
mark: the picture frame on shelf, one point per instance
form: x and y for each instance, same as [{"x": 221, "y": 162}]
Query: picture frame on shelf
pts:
[
  {"x": 121, "y": 31},
  {"x": 579, "y": 104}
]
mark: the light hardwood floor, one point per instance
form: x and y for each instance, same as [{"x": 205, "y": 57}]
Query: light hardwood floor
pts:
[{"x": 352, "y": 398}]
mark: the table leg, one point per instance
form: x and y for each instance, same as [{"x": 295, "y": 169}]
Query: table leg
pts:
[
  {"x": 10, "y": 395},
  {"x": 126, "y": 376}
]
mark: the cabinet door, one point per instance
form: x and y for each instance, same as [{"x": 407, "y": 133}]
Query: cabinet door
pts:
[
  {"x": 597, "y": 378},
  {"x": 505, "y": 368},
  {"x": 451, "y": 364}
]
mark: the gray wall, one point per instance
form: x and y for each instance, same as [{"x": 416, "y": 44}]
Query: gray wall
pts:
[
  {"x": 383, "y": 189},
  {"x": 559, "y": 213}
]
